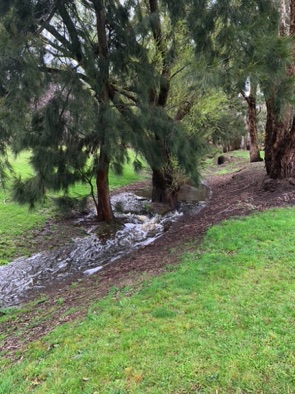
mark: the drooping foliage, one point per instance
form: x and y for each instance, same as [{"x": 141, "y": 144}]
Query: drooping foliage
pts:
[
  {"x": 99, "y": 73},
  {"x": 240, "y": 39},
  {"x": 13, "y": 113},
  {"x": 83, "y": 80}
]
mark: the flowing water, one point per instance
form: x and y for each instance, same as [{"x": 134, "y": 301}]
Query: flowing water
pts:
[{"x": 90, "y": 254}]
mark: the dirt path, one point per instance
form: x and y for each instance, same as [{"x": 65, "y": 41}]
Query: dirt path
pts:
[{"x": 236, "y": 194}]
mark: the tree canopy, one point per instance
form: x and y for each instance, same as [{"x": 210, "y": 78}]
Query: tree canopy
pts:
[
  {"x": 100, "y": 75},
  {"x": 81, "y": 81}
]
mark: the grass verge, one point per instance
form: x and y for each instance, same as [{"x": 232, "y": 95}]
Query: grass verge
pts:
[{"x": 221, "y": 322}]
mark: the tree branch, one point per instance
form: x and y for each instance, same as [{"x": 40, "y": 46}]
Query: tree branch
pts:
[
  {"x": 45, "y": 22},
  {"x": 75, "y": 41},
  {"x": 178, "y": 71},
  {"x": 51, "y": 29},
  {"x": 157, "y": 33},
  {"x": 184, "y": 110},
  {"x": 54, "y": 70},
  {"x": 124, "y": 93}
]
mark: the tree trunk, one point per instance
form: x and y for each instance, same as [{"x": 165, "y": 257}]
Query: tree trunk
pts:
[
  {"x": 280, "y": 125},
  {"x": 252, "y": 124},
  {"x": 279, "y": 143},
  {"x": 163, "y": 188},
  {"x": 104, "y": 208},
  {"x": 162, "y": 179}
]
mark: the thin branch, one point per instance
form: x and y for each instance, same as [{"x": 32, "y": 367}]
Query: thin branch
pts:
[
  {"x": 178, "y": 71},
  {"x": 89, "y": 181},
  {"x": 75, "y": 44},
  {"x": 59, "y": 37},
  {"x": 63, "y": 51},
  {"x": 184, "y": 110},
  {"x": 64, "y": 105},
  {"x": 53, "y": 70},
  {"x": 45, "y": 22},
  {"x": 125, "y": 93}
]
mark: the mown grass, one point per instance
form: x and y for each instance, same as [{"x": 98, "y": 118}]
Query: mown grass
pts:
[
  {"x": 221, "y": 322},
  {"x": 16, "y": 220}
]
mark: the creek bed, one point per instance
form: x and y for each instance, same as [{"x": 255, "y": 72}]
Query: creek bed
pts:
[{"x": 89, "y": 254}]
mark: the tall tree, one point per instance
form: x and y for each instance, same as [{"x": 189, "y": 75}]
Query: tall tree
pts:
[
  {"x": 250, "y": 97},
  {"x": 169, "y": 45},
  {"x": 280, "y": 126},
  {"x": 89, "y": 71},
  {"x": 102, "y": 73},
  {"x": 232, "y": 34}
]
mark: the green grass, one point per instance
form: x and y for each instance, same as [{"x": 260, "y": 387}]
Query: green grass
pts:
[
  {"x": 235, "y": 161},
  {"x": 22, "y": 167},
  {"x": 17, "y": 220},
  {"x": 221, "y": 322}
]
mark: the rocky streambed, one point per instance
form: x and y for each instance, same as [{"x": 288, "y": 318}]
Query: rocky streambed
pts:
[{"x": 89, "y": 254}]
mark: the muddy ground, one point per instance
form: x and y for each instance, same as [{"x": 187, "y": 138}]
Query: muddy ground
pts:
[{"x": 242, "y": 192}]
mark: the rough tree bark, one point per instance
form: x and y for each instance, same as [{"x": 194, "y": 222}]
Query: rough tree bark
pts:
[
  {"x": 104, "y": 208},
  {"x": 163, "y": 186},
  {"x": 252, "y": 127},
  {"x": 279, "y": 143},
  {"x": 280, "y": 128}
]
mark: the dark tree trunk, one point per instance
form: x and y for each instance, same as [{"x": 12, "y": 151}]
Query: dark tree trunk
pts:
[
  {"x": 235, "y": 143},
  {"x": 280, "y": 125},
  {"x": 164, "y": 186},
  {"x": 103, "y": 206},
  {"x": 279, "y": 143},
  {"x": 252, "y": 124},
  {"x": 163, "y": 189},
  {"x": 162, "y": 179}
]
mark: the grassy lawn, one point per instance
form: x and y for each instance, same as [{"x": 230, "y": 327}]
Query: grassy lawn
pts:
[
  {"x": 221, "y": 322},
  {"x": 17, "y": 220},
  {"x": 235, "y": 160}
]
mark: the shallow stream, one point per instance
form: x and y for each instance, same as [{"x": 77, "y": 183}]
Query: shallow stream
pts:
[{"x": 90, "y": 254}]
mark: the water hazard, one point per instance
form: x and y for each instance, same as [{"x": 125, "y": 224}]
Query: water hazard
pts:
[{"x": 90, "y": 254}]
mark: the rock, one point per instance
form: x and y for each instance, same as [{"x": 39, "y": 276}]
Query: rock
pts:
[
  {"x": 221, "y": 160},
  {"x": 292, "y": 181}
]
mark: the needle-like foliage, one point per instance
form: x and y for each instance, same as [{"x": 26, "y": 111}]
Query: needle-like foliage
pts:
[{"x": 87, "y": 80}]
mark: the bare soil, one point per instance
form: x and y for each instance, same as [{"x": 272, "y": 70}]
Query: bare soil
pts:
[{"x": 243, "y": 192}]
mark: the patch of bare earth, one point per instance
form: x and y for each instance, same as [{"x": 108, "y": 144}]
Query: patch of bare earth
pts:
[{"x": 237, "y": 194}]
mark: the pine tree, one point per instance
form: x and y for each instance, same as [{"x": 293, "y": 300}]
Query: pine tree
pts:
[
  {"x": 81, "y": 72},
  {"x": 12, "y": 107},
  {"x": 102, "y": 80},
  {"x": 168, "y": 44}
]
